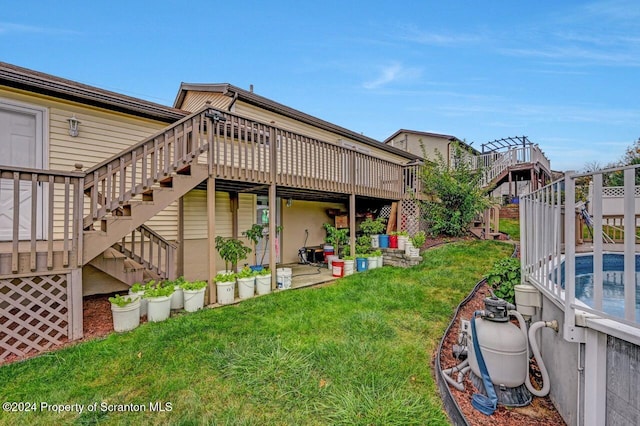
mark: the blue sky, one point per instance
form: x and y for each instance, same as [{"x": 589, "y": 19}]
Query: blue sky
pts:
[{"x": 565, "y": 74}]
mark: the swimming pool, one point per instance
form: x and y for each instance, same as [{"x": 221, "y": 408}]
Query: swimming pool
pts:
[{"x": 612, "y": 286}]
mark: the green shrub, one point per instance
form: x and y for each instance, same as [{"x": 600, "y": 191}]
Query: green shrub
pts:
[
  {"x": 503, "y": 277},
  {"x": 453, "y": 194}
]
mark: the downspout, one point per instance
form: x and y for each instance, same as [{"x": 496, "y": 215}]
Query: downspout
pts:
[{"x": 233, "y": 101}]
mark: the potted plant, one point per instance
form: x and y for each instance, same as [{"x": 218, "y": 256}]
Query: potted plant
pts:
[
  {"x": 372, "y": 261},
  {"x": 373, "y": 228},
  {"x": 337, "y": 238},
  {"x": 159, "y": 299},
  {"x": 138, "y": 290},
  {"x": 263, "y": 281},
  {"x": 379, "y": 258},
  {"x": 255, "y": 234},
  {"x": 417, "y": 241},
  {"x": 125, "y": 311},
  {"x": 393, "y": 240},
  {"x": 231, "y": 250},
  {"x": 362, "y": 262},
  {"x": 403, "y": 237},
  {"x": 193, "y": 294},
  {"x": 177, "y": 298},
  {"x": 246, "y": 283},
  {"x": 349, "y": 265},
  {"x": 226, "y": 288}
]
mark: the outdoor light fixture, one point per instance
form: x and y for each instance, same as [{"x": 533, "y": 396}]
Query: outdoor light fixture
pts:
[
  {"x": 215, "y": 116},
  {"x": 289, "y": 202},
  {"x": 73, "y": 126}
]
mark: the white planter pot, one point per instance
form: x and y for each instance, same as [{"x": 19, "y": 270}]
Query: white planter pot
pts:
[
  {"x": 194, "y": 299},
  {"x": 402, "y": 240},
  {"x": 414, "y": 252},
  {"x": 226, "y": 292},
  {"x": 330, "y": 260},
  {"x": 407, "y": 247},
  {"x": 143, "y": 302},
  {"x": 177, "y": 298},
  {"x": 159, "y": 308},
  {"x": 246, "y": 287},
  {"x": 283, "y": 278},
  {"x": 126, "y": 318},
  {"x": 372, "y": 262},
  {"x": 380, "y": 262},
  {"x": 349, "y": 267},
  {"x": 375, "y": 241},
  {"x": 263, "y": 284}
]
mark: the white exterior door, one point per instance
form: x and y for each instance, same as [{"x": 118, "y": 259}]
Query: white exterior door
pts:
[{"x": 21, "y": 145}]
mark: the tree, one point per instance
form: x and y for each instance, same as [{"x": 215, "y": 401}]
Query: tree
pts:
[
  {"x": 631, "y": 157},
  {"x": 453, "y": 193}
]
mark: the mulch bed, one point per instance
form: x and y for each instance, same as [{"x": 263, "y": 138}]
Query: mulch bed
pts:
[{"x": 541, "y": 410}]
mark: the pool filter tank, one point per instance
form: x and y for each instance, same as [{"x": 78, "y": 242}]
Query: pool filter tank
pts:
[{"x": 503, "y": 345}]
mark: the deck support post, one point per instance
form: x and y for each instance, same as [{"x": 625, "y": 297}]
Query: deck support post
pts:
[
  {"x": 352, "y": 224},
  {"x": 180, "y": 265},
  {"x": 272, "y": 234},
  {"x": 211, "y": 236}
]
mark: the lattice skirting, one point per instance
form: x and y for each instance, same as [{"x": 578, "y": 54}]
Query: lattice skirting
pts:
[
  {"x": 34, "y": 313},
  {"x": 412, "y": 220}
]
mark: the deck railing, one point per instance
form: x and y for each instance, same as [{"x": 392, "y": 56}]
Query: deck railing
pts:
[
  {"x": 150, "y": 250},
  {"x": 239, "y": 149},
  {"x": 41, "y": 213},
  {"x": 495, "y": 163},
  {"x": 550, "y": 221}
]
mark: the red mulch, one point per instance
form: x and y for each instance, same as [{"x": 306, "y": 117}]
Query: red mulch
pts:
[
  {"x": 541, "y": 410},
  {"x": 97, "y": 322}
]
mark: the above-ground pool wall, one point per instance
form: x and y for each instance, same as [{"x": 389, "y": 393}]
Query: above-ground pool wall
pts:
[
  {"x": 561, "y": 360},
  {"x": 623, "y": 382}
]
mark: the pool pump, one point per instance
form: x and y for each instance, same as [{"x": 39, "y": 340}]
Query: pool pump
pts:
[{"x": 498, "y": 357}]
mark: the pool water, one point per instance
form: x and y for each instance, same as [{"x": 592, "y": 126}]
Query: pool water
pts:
[{"x": 612, "y": 285}]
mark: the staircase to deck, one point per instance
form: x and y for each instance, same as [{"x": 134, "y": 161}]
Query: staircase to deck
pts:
[{"x": 127, "y": 190}]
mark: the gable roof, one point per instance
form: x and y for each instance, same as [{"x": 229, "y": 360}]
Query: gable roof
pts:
[
  {"x": 278, "y": 108},
  {"x": 46, "y": 84},
  {"x": 416, "y": 132},
  {"x": 433, "y": 135}
]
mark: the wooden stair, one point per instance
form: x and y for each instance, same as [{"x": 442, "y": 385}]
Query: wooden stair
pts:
[
  {"x": 119, "y": 266},
  {"x": 137, "y": 211}
]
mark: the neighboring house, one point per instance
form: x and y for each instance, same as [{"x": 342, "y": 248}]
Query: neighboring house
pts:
[
  {"x": 512, "y": 166},
  {"x": 427, "y": 145},
  {"x": 99, "y": 190}
]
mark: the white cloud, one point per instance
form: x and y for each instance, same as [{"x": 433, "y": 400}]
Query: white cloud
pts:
[
  {"x": 13, "y": 28},
  {"x": 416, "y": 35},
  {"x": 390, "y": 74}
]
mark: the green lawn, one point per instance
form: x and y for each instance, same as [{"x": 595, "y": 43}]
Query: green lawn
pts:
[
  {"x": 354, "y": 353},
  {"x": 511, "y": 227}
]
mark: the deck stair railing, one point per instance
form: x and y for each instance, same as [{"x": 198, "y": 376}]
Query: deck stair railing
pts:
[
  {"x": 550, "y": 224},
  {"x": 496, "y": 163},
  {"x": 151, "y": 250}
]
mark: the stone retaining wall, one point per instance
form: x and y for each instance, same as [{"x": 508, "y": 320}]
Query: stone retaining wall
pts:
[{"x": 395, "y": 257}]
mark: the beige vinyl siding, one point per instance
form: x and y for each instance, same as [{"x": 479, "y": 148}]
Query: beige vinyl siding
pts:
[
  {"x": 102, "y": 134},
  {"x": 195, "y": 227},
  {"x": 195, "y": 214},
  {"x": 194, "y": 100},
  {"x": 256, "y": 113}
]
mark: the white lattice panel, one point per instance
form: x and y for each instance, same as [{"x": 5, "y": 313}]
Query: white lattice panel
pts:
[
  {"x": 412, "y": 220},
  {"x": 618, "y": 191},
  {"x": 33, "y": 314}
]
